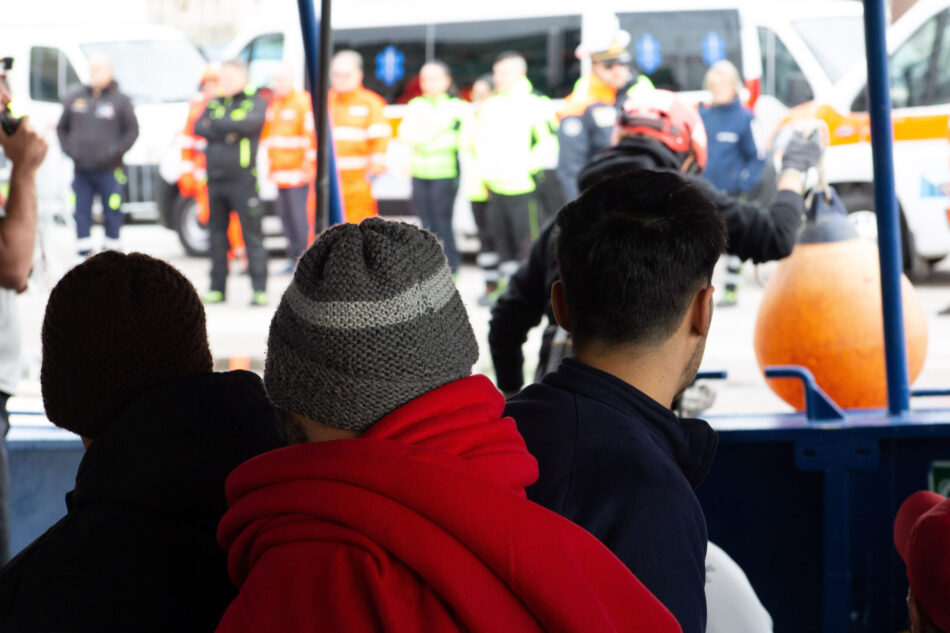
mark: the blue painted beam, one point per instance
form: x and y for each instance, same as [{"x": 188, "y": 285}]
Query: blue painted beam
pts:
[{"x": 885, "y": 205}]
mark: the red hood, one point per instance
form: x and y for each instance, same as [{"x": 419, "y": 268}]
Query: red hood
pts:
[{"x": 421, "y": 525}]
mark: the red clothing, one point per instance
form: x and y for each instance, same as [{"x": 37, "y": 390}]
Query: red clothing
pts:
[{"x": 420, "y": 525}]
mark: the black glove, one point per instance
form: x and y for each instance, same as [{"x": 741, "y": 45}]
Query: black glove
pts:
[{"x": 802, "y": 152}]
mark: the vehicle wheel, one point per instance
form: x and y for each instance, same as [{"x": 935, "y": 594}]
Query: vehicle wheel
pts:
[
  {"x": 194, "y": 235},
  {"x": 860, "y": 206}
]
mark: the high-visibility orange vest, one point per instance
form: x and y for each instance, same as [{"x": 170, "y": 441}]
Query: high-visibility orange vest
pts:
[
  {"x": 290, "y": 140},
  {"x": 360, "y": 135}
]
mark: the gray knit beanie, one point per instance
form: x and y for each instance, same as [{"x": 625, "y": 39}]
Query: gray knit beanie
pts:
[{"x": 371, "y": 321}]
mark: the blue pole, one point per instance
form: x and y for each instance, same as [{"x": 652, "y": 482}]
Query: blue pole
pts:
[
  {"x": 329, "y": 200},
  {"x": 885, "y": 203}
]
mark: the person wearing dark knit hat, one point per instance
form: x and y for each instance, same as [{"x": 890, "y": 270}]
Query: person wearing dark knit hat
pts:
[
  {"x": 922, "y": 538},
  {"x": 401, "y": 506},
  {"x": 127, "y": 366}
]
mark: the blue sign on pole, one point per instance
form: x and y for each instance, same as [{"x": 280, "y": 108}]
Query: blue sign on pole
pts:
[
  {"x": 390, "y": 65},
  {"x": 649, "y": 54},
  {"x": 714, "y": 48}
]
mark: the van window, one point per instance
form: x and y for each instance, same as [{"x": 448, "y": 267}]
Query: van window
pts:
[
  {"x": 675, "y": 49},
  {"x": 547, "y": 44},
  {"x": 782, "y": 77},
  {"x": 911, "y": 69},
  {"x": 941, "y": 84},
  {"x": 51, "y": 74},
  {"x": 262, "y": 55},
  {"x": 836, "y": 42},
  {"x": 392, "y": 57}
]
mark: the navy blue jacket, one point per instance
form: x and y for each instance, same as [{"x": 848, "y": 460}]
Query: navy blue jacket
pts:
[
  {"x": 732, "y": 164},
  {"x": 623, "y": 467}
]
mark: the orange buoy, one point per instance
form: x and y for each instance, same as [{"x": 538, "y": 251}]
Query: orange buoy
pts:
[{"x": 822, "y": 310}]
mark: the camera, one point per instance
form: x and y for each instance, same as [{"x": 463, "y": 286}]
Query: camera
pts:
[{"x": 8, "y": 122}]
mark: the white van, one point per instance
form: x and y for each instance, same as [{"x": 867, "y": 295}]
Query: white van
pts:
[
  {"x": 919, "y": 51},
  {"x": 156, "y": 66},
  {"x": 788, "y": 51}
]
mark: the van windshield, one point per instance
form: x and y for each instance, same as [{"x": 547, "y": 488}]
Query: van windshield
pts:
[
  {"x": 837, "y": 42},
  {"x": 675, "y": 49},
  {"x": 153, "y": 71}
]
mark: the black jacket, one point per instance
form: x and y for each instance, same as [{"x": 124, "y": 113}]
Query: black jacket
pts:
[
  {"x": 233, "y": 127},
  {"x": 754, "y": 233},
  {"x": 137, "y": 550},
  {"x": 623, "y": 467},
  {"x": 97, "y": 131}
]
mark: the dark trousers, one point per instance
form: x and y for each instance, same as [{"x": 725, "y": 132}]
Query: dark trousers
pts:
[
  {"x": 241, "y": 196},
  {"x": 4, "y": 481},
  {"x": 487, "y": 258},
  {"x": 550, "y": 195},
  {"x": 514, "y": 224},
  {"x": 433, "y": 201},
  {"x": 86, "y": 184},
  {"x": 292, "y": 209}
]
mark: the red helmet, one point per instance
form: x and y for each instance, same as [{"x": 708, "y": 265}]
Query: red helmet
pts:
[{"x": 661, "y": 115}]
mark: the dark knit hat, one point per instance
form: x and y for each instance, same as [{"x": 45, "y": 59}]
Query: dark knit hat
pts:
[
  {"x": 371, "y": 321},
  {"x": 116, "y": 326}
]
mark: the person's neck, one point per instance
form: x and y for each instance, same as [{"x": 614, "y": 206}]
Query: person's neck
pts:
[{"x": 648, "y": 369}]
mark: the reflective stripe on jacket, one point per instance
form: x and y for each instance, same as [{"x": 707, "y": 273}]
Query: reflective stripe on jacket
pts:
[
  {"x": 290, "y": 140},
  {"x": 360, "y": 129},
  {"x": 432, "y": 127}
]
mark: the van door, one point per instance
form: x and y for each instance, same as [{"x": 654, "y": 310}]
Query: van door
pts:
[
  {"x": 782, "y": 77},
  {"x": 51, "y": 77}
]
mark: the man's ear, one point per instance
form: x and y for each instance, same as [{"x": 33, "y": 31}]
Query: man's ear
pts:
[
  {"x": 701, "y": 311},
  {"x": 562, "y": 314}
]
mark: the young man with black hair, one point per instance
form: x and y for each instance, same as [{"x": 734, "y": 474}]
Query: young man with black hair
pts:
[
  {"x": 636, "y": 254},
  {"x": 655, "y": 130}
]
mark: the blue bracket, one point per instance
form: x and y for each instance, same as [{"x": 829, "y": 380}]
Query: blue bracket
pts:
[
  {"x": 929, "y": 393},
  {"x": 818, "y": 406},
  {"x": 714, "y": 374}
]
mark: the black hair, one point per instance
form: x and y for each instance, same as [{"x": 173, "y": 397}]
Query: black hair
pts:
[
  {"x": 489, "y": 79},
  {"x": 632, "y": 252}
]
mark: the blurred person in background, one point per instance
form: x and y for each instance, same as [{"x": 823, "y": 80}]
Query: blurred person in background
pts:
[
  {"x": 487, "y": 258},
  {"x": 231, "y": 123},
  {"x": 290, "y": 140},
  {"x": 432, "y": 128},
  {"x": 96, "y": 129},
  {"x": 360, "y": 134},
  {"x": 193, "y": 182},
  {"x": 514, "y": 138},
  {"x": 588, "y": 114},
  {"x": 25, "y": 149},
  {"x": 127, "y": 367},
  {"x": 734, "y": 164}
]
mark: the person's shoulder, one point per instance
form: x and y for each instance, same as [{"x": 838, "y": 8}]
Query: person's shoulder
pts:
[
  {"x": 541, "y": 402},
  {"x": 371, "y": 97},
  {"x": 576, "y": 104},
  {"x": 75, "y": 93}
]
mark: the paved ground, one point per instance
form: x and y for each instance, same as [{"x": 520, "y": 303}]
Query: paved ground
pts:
[{"x": 239, "y": 333}]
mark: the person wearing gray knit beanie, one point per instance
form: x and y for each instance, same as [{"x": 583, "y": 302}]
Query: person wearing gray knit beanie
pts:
[
  {"x": 400, "y": 503},
  {"x": 371, "y": 321}
]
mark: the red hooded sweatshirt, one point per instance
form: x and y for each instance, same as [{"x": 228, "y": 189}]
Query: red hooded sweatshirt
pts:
[{"x": 420, "y": 525}]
